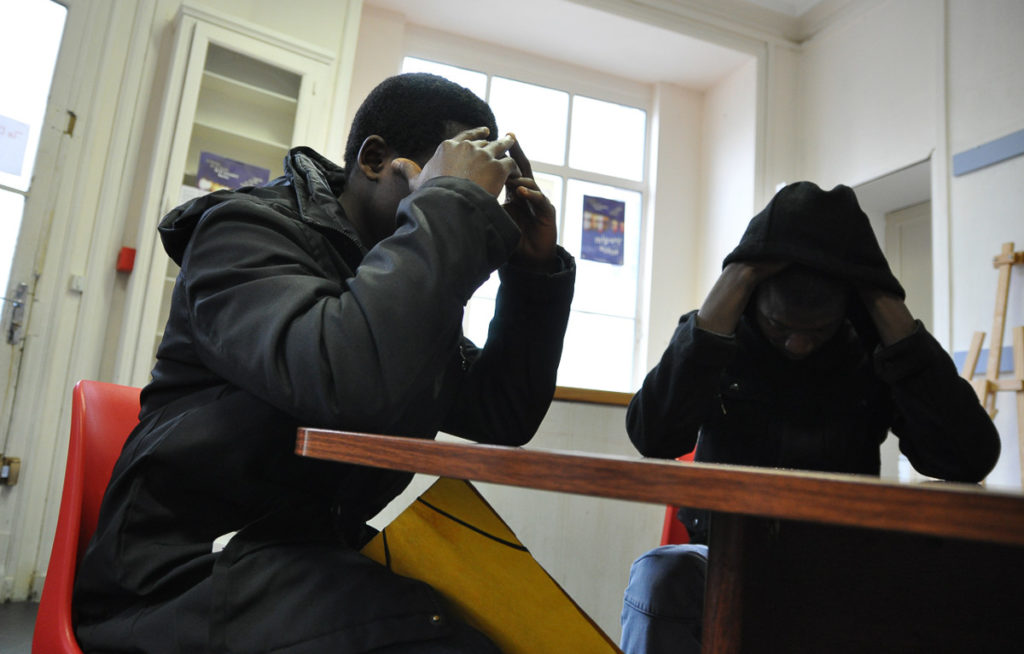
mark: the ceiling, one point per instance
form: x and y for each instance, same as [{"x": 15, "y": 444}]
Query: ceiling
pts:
[
  {"x": 573, "y": 32},
  {"x": 793, "y": 8}
]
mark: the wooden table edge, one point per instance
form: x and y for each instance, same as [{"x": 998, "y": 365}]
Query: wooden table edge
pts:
[{"x": 942, "y": 509}]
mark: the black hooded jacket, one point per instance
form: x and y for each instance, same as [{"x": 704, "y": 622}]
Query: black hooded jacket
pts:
[
  {"x": 281, "y": 318},
  {"x": 740, "y": 401}
]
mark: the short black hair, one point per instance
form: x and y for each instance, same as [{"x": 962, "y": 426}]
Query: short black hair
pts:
[{"x": 413, "y": 113}]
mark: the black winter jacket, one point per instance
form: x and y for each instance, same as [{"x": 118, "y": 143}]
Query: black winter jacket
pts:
[
  {"x": 740, "y": 401},
  {"x": 281, "y": 318}
]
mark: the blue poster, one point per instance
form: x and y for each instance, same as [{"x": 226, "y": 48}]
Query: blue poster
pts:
[
  {"x": 604, "y": 230},
  {"x": 217, "y": 172}
]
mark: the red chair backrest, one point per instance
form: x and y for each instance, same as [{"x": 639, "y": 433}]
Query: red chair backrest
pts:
[
  {"x": 673, "y": 531},
  {"x": 102, "y": 417}
]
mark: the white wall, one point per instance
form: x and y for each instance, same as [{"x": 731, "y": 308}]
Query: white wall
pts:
[
  {"x": 781, "y": 148},
  {"x": 986, "y": 94},
  {"x": 866, "y": 93},
  {"x": 673, "y": 247},
  {"x": 378, "y": 55},
  {"x": 901, "y": 80},
  {"x": 728, "y": 161}
]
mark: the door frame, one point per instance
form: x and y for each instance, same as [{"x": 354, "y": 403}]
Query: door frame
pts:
[
  {"x": 74, "y": 224},
  {"x": 898, "y": 189}
]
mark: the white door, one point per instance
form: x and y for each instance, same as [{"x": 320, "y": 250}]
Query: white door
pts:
[
  {"x": 908, "y": 247},
  {"x": 30, "y": 141},
  {"x": 40, "y": 45}
]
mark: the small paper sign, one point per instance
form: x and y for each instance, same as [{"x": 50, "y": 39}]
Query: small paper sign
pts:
[
  {"x": 216, "y": 172},
  {"x": 13, "y": 140},
  {"x": 604, "y": 230}
]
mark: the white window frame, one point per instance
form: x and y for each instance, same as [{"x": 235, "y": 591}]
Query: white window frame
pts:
[{"x": 493, "y": 60}]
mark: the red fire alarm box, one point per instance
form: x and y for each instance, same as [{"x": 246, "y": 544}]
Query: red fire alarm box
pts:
[{"x": 126, "y": 260}]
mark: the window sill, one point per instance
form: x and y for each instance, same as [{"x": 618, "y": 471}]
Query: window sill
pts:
[{"x": 568, "y": 394}]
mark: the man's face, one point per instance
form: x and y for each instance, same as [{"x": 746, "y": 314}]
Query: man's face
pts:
[
  {"x": 796, "y": 327},
  {"x": 392, "y": 188}
]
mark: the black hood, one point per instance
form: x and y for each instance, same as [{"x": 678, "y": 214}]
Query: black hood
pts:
[
  {"x": 823, "y": 230},
  {"x": 310, "y": 182}
]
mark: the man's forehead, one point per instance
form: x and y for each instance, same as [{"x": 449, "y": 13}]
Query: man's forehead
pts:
[{"x": 799, "y": 314}]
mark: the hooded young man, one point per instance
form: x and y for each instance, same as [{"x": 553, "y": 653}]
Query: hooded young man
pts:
[
  {"x": 803, "y": 355},
  {"x": 330, "y": 297}
]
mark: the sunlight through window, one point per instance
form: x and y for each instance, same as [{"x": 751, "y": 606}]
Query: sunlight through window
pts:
[
  {"x": 588, "y": 158},
  {"x": 30, "y": 35}
]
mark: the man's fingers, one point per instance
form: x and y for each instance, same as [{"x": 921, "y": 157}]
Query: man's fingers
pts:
[
  {"x": 517, "y": 154},
  {"x": 407, "y": 168},
  {"x": 474, "y": 134},
  {"x": 500, "y": 146},
  {"x": 511, "y": 167}
]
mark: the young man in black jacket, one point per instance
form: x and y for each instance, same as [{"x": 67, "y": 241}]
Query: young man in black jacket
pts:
[
  {"x": 330, "y": 297},
  {"x": 803, "y": 355}
]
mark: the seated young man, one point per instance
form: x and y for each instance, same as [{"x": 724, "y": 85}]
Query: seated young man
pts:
[
  {"x": 803, "y": 355},
  {"x": 334, "y": 298}
]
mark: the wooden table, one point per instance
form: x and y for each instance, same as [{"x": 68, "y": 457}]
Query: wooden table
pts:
[{"x": 800, "y": 562}]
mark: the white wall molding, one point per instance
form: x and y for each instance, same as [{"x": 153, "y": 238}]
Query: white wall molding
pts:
[
  {"x": 269, "y": 36},
  {"x": 942, "y": 219}
]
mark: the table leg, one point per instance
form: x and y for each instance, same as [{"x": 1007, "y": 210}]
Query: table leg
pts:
[{"x": 723, "y": 606}]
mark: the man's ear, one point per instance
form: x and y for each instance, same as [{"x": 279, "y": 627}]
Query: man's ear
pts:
[{"x": 374, "y": 157}]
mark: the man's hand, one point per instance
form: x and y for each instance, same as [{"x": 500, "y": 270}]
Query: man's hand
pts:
[
  {"x": 730, "y": 295},
  {"x": 533, "y": 213},
  {"x": 890, "y": 314},
  {"x": 468, "y": 155}
]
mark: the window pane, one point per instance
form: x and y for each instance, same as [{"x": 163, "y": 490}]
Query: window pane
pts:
[
  {"x": 598, "y": 353},
  {"x": 476, "y": 320},
  {"x": 30, "y": 34},
  {"x": 608, "y": 138},
  {"x": 11, "y": 206},
  {"x": 551, "y": 185},
  {"x": 536, "y": 114},
  {"x": 603, "y": 287},
  {"x": 471, "y": 79}
]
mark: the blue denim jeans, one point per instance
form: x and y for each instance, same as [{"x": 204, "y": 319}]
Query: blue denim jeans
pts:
[{"x": 663, "y": 606}]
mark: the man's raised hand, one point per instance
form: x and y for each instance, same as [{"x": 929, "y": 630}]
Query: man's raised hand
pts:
[{"x": 468, "y": 155}]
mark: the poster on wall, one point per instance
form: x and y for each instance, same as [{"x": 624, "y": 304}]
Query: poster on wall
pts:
[
  {"x": 13, "y": 139},
  {"x": 604, "y": 230},
  {"x": 216, "y": 172}
]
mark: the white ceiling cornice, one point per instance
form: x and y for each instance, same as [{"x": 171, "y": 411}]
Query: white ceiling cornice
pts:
[
  {"x": 691, "y": 43},
  {"x": 744, "y": 18},
  {"x": 705, "y": 19}
]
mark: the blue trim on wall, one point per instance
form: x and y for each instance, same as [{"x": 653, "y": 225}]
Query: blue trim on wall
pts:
[
  {"x": 1005, "y": 361},
  {"x": 989, "y": 153}
]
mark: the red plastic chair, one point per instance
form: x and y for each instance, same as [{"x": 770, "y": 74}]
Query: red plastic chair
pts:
[
  {"x": 674, "y": 532},
  {"x": 102, "y": 416}
]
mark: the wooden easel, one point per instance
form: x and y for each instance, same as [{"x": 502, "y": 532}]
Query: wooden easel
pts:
[{"x": 990, "y": 384}]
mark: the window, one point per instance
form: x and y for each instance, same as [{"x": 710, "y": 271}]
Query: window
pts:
[
  {"x": 30, "y": 35},
  {"x": 588, "y": 156}
]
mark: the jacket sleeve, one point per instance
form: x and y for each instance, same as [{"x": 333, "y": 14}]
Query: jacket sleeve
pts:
[
  {"x": 943, "y": 429},
  {"x": 510, "y": 382},
  {"x": 665, "y": 416},
  {"x": 270, "y": 314}
]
